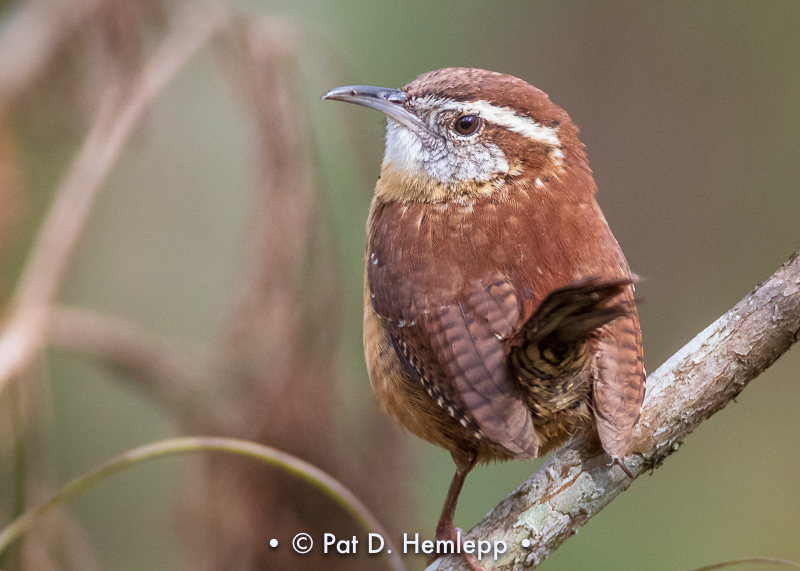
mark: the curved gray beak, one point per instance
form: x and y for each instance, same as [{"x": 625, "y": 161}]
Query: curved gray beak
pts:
[{"x": 386, "y": 100}]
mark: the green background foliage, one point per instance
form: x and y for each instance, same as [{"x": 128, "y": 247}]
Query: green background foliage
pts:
[{"x": 690, "y": 112}]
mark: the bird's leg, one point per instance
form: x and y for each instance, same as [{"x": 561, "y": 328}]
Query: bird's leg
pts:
[
  {"x": 622, "y": 466},
  {"x": 445, "y": 529}
]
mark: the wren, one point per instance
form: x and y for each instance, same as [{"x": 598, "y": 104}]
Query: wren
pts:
[{"x": 499, "y": 318}]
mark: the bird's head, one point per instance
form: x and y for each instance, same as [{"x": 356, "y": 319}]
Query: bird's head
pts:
[{"x": 459, "y": 132}]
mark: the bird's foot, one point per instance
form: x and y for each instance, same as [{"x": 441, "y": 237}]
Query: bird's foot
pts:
[
  {"x": 622, "y": 466},
  {"x": 452, "y": 533}
]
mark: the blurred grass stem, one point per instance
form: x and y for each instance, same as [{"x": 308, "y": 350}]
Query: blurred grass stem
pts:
[
  {"x": 303, "y": 470},
  {"x": 754, "y": 561},
  {"x": 119, "y": 113}
]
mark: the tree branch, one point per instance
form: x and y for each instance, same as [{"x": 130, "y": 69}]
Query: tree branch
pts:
[{"x": 700, "y": 379}]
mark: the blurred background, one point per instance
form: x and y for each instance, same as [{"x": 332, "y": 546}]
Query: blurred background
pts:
[{"x": 216, "y": 288}]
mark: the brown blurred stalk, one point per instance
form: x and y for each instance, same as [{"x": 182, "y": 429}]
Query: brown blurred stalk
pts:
[
  {"x": 122, "y": 106},
  {"x": 272, "y": 376},
  {"x": 277, "y": 348}
]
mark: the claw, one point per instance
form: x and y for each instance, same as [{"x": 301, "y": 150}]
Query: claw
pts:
[{"x": 451, "y": 533}]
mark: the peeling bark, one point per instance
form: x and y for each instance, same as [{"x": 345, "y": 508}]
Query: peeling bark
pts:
[{"x": 699, "y": 380}]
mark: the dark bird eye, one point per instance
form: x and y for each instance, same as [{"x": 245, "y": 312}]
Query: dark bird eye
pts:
[{"x": 467, "y": 124}]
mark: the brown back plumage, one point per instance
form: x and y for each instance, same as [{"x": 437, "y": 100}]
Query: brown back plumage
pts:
[
  {"x": 459, "y": 275},
  {"x": 455, "y": 290}
]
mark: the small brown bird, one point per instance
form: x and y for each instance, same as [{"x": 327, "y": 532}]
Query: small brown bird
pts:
[{"x": 499, "y": 317}]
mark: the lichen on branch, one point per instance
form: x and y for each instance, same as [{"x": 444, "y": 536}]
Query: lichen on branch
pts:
[{"x": 699, "y": 380}]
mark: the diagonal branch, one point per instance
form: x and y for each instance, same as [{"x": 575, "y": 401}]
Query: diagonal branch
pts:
[{"x": 693, "y": 384}]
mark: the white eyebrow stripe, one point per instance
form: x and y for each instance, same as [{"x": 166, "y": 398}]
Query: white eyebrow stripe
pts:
[{"x": 509, "y": 119}]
